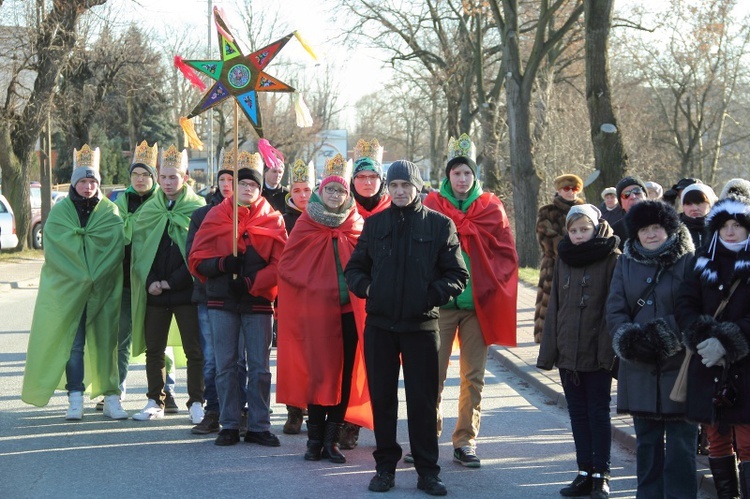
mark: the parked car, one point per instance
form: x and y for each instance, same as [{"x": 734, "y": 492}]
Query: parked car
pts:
[
  {"x": 8, "y": 237},
  {"x": 35, "y": 231}
]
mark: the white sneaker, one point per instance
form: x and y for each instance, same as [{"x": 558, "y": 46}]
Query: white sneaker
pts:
[
  {"x": 113, "y": 409},
  {"x": 151, "y": 411},
  {"x": 196, "y": 412},
  {"x": 75, "y": 406}
]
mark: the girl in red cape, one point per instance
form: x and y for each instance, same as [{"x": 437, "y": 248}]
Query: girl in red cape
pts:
[
  {"x": 485, "y": 313},
  {"x": 320, "y": 360}
]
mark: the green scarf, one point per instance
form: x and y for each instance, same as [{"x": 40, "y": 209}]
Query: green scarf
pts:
[
  {"x": 82, "y": 269},
  {"x": 447, "y": 192},
  {"x": 127, "y": 217},
  {"x": 148, "y": 229}
]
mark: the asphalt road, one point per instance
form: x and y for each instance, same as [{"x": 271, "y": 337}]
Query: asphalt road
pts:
[{"x": 525, "y": 444}]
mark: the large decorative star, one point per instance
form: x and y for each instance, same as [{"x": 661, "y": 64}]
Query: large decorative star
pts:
[{"x": 239, "y": 76}]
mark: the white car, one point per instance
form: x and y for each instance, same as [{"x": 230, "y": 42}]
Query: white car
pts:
[{"x": 8, "y": 236}]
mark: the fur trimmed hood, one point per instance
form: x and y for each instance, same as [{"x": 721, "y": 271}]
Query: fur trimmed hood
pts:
[
  {"x": 736, "y": 186},
  {"x": 683, "y": 245},
  {"x": 731, "y": 207}
]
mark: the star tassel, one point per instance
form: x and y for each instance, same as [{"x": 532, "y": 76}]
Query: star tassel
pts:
[{"x": 239, "y": 76}]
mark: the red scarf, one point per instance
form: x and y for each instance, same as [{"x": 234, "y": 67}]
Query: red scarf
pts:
[
  {"x": 310, "y": 346},
  {"x": 383, "y": 203},
  {"x": 486, "y": 237},
  {"x": 265, "y": 229}
]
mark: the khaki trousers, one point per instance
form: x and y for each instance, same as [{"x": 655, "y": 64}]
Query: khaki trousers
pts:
[{"x": 472, "y": 362}]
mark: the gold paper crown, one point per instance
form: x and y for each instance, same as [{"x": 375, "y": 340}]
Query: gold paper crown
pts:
[
  {"x": 338, "y": 166},
  {"x": 146, "y": 155},
  {"x": 86, "y": 158},
  {"x": 174, "y": 158},
  {"x": 462, "y": 147},
  {"x": 371, "y": 149},
  {"x": 245, "y": 160},
  {"x": 302, "y": 172}
]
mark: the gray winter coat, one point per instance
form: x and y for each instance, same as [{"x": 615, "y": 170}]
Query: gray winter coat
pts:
[{"x": 648, "y": 342}]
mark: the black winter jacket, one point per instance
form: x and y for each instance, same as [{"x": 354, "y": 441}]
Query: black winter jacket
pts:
[
  {"x": 411, "y": 259},
  {"x": 196, "y": 219},
  {"x": 277, "y": 197},
  {"x": 169, "y": 265},
  {"x": 134, "y": 202},
  {"x": 696, "y": 304}
]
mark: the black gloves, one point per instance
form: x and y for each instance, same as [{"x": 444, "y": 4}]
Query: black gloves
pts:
[{"x": 231, "y": 264}]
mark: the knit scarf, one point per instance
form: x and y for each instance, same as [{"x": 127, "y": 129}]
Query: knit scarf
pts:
[
  {"x": 648, "y": 253},
  {"x": 593, "y": 250},
  {"x": 321, "y": 214},
  {"x": 708, "y": 267}
]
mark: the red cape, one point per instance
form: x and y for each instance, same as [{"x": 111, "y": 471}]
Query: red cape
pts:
[
  {"x": 486, "y": 237},
  {"x": 310, "y": 351},
  {"x": 267, "y": 235},
  {"x": 385, "y": 202}
]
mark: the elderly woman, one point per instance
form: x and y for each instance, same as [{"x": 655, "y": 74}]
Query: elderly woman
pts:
[
  {"x": 320, "y": 362},
  {"x": 640, "y": 316},
  {"x": 550, "y": 229},
  {"x": 717, "y": 393}
]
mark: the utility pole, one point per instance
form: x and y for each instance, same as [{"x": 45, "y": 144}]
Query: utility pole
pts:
[{"x": 210, "y": 118}]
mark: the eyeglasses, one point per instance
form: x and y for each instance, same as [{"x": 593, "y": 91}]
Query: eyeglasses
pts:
[
  {"x": 568, "y": 188},
  {"x": 366, "y": 178},
  {"x": 140, "y": 176},
  {"x": 333, "y": 191},
  {"x": 636, "y": 191},
  {"x": 248, "y": 185}
]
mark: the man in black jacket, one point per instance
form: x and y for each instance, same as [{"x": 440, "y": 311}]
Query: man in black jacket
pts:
[{"x": 406, "y": 264}]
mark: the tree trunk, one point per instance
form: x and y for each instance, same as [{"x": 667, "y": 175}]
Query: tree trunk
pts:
[{"x": 610, "y": 158}]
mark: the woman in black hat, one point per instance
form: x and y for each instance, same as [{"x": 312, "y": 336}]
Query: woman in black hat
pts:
[
  {"x": 640, "y": 316},
  {"x": 717, "y": 376}
]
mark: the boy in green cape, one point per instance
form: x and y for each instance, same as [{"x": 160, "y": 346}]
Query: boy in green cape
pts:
[{"x": 78, "y": 306}]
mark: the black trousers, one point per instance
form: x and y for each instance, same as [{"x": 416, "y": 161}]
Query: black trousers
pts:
[
  {"x": 156, "y": 331},
  {"x": 385, "y": 351}
]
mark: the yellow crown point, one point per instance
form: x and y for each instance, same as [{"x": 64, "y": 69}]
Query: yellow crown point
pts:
[
  {"x": 462, "y": 147},
  {"x": 302, "y": 172},
  {"x": 146, "y": 155},
  {"x": 338, "y": 166},
  {"x": 86, "y": 157},
  {"x": 371, "y": 149},
  {"x": 174, "y": 158}
]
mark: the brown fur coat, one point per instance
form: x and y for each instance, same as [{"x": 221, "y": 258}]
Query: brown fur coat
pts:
[{"x": 550, "y": 229}]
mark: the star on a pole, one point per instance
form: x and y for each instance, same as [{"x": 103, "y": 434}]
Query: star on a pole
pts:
[{"x": 239, "y": 76}]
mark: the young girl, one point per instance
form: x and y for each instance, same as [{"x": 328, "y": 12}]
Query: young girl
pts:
[{"x": 576, "y": 340}]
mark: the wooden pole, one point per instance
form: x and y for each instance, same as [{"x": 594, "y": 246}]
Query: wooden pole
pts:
[{"x": 234, "y": 181}]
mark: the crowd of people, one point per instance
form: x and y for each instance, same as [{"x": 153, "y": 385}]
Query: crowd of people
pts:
[
  {"x": 659, "y": 301},
  {"x": 356, "y": 278},
  {"x": 363, "y": 274}
]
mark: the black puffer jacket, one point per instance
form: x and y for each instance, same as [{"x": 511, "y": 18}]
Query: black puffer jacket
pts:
[
  {"x": 196, "y": 219},
  {"x": 411, "y": 259}
]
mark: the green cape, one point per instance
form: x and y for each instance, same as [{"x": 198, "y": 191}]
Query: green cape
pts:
[
  {"x": 127, "y": 217},
  {"x": 147, "y": 232},
  {"x": 82, "y": 269}
]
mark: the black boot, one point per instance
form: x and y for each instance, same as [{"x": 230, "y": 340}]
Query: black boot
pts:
[
  {"x": 726, "y": 479},
  {"x": 349, "y": 436},
  {"x": 581, "y": 486},
  {"x": 745, "y": 479},
  {"x": 331, "y": 443},
  {"x": 314, "y": 441},
  {"x": 599, "y": 485}
]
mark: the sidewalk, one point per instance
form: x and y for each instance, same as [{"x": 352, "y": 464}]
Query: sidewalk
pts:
[
  {"x": 521, "y": 361},
  {"x": 20, "y": 272}
]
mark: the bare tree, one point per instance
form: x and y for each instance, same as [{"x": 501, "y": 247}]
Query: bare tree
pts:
[
  {"x": 610, "y": 159},
  {"x": 50, "y": 42}
]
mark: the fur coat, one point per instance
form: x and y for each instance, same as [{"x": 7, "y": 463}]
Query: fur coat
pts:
[{"x": 550, "y": 229}]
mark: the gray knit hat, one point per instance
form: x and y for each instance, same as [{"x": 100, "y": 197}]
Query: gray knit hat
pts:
[
  {"x": 736, "y": 186},
  {"x": 588, "y": 210},
  {"x": 405, "y": 170}
]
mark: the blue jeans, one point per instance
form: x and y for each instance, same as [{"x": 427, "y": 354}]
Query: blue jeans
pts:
[
  {"x": 209, "y": 361},
  {"x": 74, "y": 367},
  {"x": 588, "y": 397},
  {"x": 124, "y": 338},
  {"x": 665, "y": 471},
  {"x": 255, "y": 331}
]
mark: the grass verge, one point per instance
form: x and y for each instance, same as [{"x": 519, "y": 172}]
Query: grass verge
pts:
[{"x": 529, "y": 275}]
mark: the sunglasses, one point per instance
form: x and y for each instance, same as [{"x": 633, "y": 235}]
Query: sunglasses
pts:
[
  {"x": 637, "y": 191},
  {"x": 568, "y": 188}
]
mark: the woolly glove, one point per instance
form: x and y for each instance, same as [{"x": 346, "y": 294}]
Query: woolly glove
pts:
[
  {"x": 231, "y": 264},
  {"x": 712, "y": 352}
]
